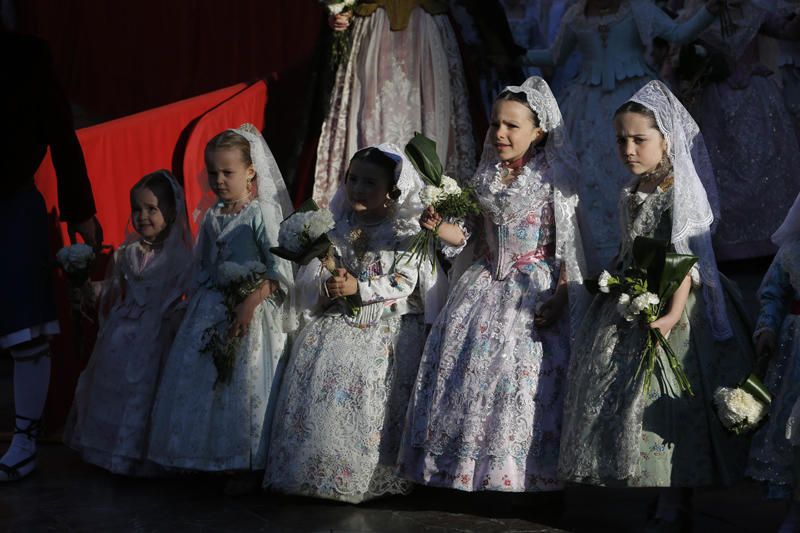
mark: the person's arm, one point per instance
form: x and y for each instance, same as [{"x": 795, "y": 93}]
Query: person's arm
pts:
[
  {"x": 75, "y": 198},
  {"x": 561, "y": 49},
  {"x": 774, "y": 295},
  {"x": 675, "y": 309},
  {"x": 681, "y": 32}
]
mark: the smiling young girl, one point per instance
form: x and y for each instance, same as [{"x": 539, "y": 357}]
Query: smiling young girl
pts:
[
  {"x": 342, "y": 401},
  {"x": 616, "y": 433},
  {"x": 140, "y": 310},
  {"x": 200, "y": 421}
]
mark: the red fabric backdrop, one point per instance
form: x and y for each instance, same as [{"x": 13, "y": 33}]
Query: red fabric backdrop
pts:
[{"x": 117, "y": 154}]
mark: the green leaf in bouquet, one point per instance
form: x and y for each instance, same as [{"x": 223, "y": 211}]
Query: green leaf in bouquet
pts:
[
  {"x": 318, "y": 248},
  {"x": 308, "y": 205},
  {"x": 676, "y": 267},
  {"x": 757, "y": 389},
  {"x": 649, "y": 254},
  {"x": 459, "y": 205},
  {"x": 421, "y": 151}
]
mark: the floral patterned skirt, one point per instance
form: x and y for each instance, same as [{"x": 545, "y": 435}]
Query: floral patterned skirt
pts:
[
  {"x": 340, "y": 410},
  {"x": 486, "y": 408}
]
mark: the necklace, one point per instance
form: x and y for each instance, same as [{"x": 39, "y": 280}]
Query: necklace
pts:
[
  {"x": 230, "y": 205},
  {"x": 658, "y": 174}
]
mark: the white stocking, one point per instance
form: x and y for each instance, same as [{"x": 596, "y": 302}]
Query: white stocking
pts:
[{"x": 31, "y": 381}]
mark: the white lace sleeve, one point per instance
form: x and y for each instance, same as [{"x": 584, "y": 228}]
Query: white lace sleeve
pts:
[{"x": 450, "y": 252}]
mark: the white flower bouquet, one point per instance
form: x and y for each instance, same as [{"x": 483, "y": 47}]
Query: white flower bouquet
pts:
[
  {"x": 653, "y": 267},
  {"x": 303, "y": 236},
  {"x": 237, "y": 282},
  {"x": 441, "y": 192},
  {"x": 742, "y": 409},
  {"x": 76, "y": 261}
]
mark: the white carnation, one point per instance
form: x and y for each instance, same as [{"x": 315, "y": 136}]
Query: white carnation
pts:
[
  {"x": 602, "y": 281},
  {"x": 643, "y": 301},
  {"x": 289, "y": 236},
  {"x": 738, "y": 410},
  {"x": 449, "y": 186},
  {"x": 76, "y": 257},
  {"x": 430, "y": 195},
  {"x": 318, "y": 223}
]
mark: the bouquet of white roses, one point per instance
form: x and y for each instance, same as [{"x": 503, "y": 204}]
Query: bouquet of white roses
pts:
[
  {"x": 441, "y": 192},
  {"x": 341, "y": 39},
  {"x": 237, "y": 282},
  {"x": 76, "y": 261},
  {"x": 654, "y": 267}
]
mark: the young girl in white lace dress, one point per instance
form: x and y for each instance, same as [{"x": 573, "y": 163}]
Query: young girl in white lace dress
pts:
[
  {"x": 140, "y": 308},
  {"x": 486, "y": 407},
  {"x": 209, "y": 416},
  {"x": 339, "y": 413}
]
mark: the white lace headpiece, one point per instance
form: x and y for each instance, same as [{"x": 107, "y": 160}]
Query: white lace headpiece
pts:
[
  {"x": 694, "y": 194},
  {"x": 562, "y": 166}
]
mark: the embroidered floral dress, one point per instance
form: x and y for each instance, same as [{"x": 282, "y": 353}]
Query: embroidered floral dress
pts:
[
  {"x": 771, "y": 457},
  {"x": 486, "y": 408},
  {"x": 616, "y": 435},
  {"x": 197, "y": 425},
  {"x": 340, "y": 410}
]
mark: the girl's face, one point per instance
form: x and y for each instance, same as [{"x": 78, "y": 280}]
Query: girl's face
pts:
[
  {"x": 368, "y": 189},
  {"x": 512, "y": 130},
  {"x": 146, "y": 216},
  {"x": 228, "y": 175},
  {"x": 641, "y": 146}
]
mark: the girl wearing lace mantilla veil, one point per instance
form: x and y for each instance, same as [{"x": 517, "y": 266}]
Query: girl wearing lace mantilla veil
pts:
[
  {"x": 141, "y": 305},
  {"x": 203, "y": 420},
  {"x": 616, "y": 434},
  {"x": 486, "y": 408},
  {"x": 612, "y": 37},
  {"x": 403, "y": 75},
  {"x": 340, "y": 410}
]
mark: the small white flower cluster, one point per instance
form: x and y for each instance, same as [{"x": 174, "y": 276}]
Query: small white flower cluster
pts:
[
  {"x": 337, "y": 6},
  {"x": 431, "y": 195},
  {"x": 630, "y": 309},
  {"x": 230, "y": 273},
  {"x": 738, "y": 410},
  {"x": 75, "y": 258},
  {"x": 301, "y": 229},
  {"x": 602, "y": 282}
]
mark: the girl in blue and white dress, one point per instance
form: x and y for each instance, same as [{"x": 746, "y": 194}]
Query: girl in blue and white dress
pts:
[{"x": 200, "y": 422}]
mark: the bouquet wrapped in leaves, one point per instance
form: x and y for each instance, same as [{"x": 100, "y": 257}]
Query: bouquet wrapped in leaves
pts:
[
  {"x": 643, "y": 292},
  {"x": 441, "y": 192},
  {"x": 742, "y": 409},
  {"x": 236, "y": 282},
  {"x": 341, "y": 39},
  {"x": 303, "y": 236},
  {"x": 76, "y": 262}
]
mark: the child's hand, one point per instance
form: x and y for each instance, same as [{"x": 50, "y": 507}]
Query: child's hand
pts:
[
  {"x": 246, "y": 309},
  {"x": 664, "y": 324},
  {"x": 343, "y": 283},
  {"x": 430, "y": 219},
  {"x": 340, "y": 22},
  {"x": 550, "y": 311}
]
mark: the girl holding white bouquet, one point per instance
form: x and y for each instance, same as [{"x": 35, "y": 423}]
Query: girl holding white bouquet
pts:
[
  {"x": 486, "y": 408},
  {"x": 340, "y": 410},
  {"x": 633, "y": 423},
  {"x": 211, "y": 405},
  {"x": 141, "y": 305}
]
